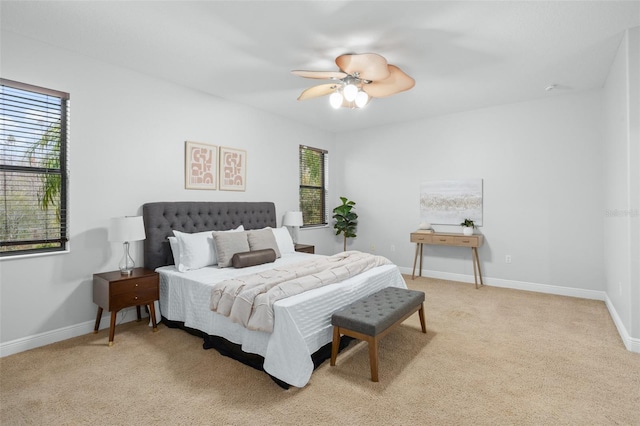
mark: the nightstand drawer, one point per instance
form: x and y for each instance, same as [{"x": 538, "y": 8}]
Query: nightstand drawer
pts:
[
  {"x": 137, "y": 284},
  {"x": 132, "y": 298}
]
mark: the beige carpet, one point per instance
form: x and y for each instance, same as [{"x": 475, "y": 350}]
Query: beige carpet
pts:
[{"x": 491, "y": 356}]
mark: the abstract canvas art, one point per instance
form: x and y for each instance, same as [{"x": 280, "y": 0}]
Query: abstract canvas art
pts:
[
  {"x": 233, "y": 169},
  {"x": 449, "y": 202},
  {"x": 200, "y": 165}
]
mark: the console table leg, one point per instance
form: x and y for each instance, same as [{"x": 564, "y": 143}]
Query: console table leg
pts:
[
  {"x": 475, "y": 251},
  {"x": 421, "y": 245},
  {"x": 415, "y": 259},
  {"x": 476, "y": 264}
]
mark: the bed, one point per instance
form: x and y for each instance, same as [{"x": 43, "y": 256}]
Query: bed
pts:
[{"x": 302, "y": 331}]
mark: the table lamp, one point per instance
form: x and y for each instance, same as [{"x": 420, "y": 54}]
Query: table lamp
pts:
[
  {"x": 294, "y": 220},
  {"x": 124, "y": 230}
]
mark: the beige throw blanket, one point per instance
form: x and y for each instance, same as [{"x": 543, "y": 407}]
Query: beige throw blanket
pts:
[{"x": 249, "y": 299}]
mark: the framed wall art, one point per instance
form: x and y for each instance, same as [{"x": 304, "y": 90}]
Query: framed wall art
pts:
[
  {"x": 201, "y": 162},
  {"x": 449, "y": 202},
  {"x": 233, "y": 169}
]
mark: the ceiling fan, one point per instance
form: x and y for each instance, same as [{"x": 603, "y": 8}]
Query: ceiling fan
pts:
[{"x": 362, "y": 76}]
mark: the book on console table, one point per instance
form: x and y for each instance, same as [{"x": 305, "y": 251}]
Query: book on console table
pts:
[{"x": 424, "y": 231}]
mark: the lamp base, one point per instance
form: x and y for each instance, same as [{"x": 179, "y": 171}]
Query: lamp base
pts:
[{"x": 126, "y": 264}]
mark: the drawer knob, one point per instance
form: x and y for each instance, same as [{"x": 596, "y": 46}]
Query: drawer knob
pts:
[
  {"x": 136, "y": 284},
  {"x": 136, "y": 298}
]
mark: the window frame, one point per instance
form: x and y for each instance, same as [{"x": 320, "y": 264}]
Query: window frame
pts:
[
  {"x": 37, "y": 246},
  {"x": 324, "y": 170}
]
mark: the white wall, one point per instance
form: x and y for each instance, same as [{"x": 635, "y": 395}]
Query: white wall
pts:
[
  {"x": 541, "y": 166},
  {"x": 622, "y": 187},
  {"x": 127, "y": 148}
]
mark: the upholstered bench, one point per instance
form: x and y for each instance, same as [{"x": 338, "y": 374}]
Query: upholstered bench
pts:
[{"x": 371, "y": 318}]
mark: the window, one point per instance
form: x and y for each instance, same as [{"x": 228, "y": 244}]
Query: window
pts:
[
  {"x": 314, "y": 166},
  {"x": 33, "y": 169}
]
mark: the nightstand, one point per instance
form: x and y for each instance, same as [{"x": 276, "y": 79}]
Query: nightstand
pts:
[
  {"x": 114, "y": 291},
  {"x": 305, "y": 248}
]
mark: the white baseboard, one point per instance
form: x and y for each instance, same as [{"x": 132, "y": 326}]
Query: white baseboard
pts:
[
  {"x": 631, "y": 343},
  {"x": 48, "y": 337}
]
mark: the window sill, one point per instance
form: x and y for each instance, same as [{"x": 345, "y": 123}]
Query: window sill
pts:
[{"x": 32, "y": 255}]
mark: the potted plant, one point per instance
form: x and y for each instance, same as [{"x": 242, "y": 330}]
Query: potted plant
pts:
[
  {"x": 346, "y": 220},
  {"x": 467, "y": 226}
]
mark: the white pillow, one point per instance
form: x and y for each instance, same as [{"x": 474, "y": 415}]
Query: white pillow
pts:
[
  {"x": 196, "y": 250},
  {"x": 283, "y": 239},
  {"x": 175, "y": 249}
]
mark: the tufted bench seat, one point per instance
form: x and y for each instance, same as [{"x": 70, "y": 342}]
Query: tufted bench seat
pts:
[{"x": 371, "y": 318}]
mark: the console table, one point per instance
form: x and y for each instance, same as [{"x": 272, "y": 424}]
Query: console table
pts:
[{"x": 445, "y": 239}]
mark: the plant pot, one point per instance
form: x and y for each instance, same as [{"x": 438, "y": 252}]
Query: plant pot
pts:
[{"x": 467, "y": 230}]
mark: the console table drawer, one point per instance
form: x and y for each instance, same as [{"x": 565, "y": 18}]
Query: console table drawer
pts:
[
  {"x": 467, "y": 241},
  {"x": 443, "y": 239},
  {"x": 421, "y": 238}
]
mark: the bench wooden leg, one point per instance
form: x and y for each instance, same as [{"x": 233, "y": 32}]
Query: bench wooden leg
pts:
[
  {"x": 422, "y": 322},
  {"x": 335, "y": 345},
  {"x": 373, "y": 357}
]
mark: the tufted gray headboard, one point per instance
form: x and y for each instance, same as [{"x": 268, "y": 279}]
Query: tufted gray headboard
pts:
[{"x": 161, "y": 218}]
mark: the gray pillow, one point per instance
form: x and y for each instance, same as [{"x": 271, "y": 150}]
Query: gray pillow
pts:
[
  {"x": 252, "y": 258},
  {"x": 227, "y": 244},
  {"x": 261, "y": 239}
]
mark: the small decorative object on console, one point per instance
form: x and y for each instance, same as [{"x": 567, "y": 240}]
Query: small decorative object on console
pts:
[
  {"x": 425, "y": 228},
  {"x": 467, "y": 227}
]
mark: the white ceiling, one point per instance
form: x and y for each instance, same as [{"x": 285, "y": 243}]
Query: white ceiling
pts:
[{"x": 463, "y": 55}]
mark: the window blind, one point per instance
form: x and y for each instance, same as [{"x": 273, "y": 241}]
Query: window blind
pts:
[
  {"x": 33, "y": 168},
  {"x": 314, "y": 165}
]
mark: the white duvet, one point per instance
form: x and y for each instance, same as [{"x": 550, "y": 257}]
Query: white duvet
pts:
[
  {"x": 302, "y": 322},
  {"x": 249, "y": 299}
]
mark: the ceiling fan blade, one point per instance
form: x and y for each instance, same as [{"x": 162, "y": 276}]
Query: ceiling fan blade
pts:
[
  {"x": 316, "y": 91},
  {"x": 397, "y": 82},
  {"x": 323, "y": 75},
  {"x": 368, "y": 66}
]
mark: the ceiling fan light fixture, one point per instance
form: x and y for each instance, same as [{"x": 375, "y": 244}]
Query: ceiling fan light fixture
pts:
[
  {"x": 362, "y": 99},
  {"x": 350, "y": 92},
  {"x": 361, "y": 77},
  {"x": 336, "y": 99}
]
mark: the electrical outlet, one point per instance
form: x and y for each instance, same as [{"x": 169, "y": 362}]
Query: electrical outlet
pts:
[
  {"x": 507, "y": 259},
  {"x": 393, "y": 247},
  {"x": 372, "y": 248}
]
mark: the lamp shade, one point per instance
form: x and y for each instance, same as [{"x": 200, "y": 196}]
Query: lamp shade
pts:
[
  {"x": 292, "y": 219},
  {"x": 128, "y": 228}
]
